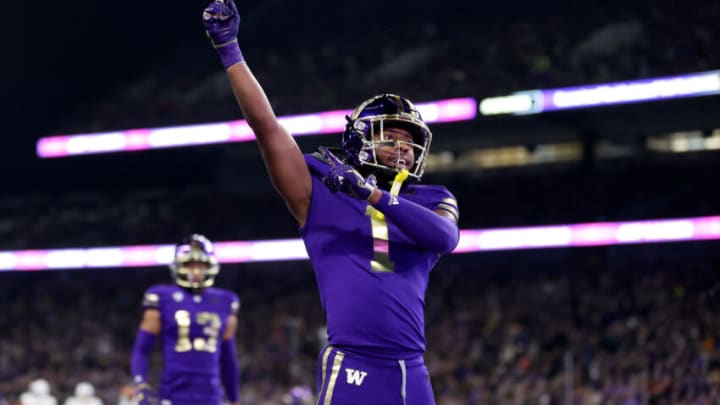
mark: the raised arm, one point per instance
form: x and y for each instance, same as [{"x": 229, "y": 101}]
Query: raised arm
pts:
[{"x": 282, "y": 156}]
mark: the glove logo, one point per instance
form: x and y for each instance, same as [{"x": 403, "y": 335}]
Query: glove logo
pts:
[{"x": 344, "y": 178}]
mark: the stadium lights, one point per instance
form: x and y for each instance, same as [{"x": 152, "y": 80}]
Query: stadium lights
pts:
[
  {"x": 472, "y": 240},
  {"x": 328, "y": 122},
  {"x": 661, "y": 88},
  {"x": 517, "y": 103}
]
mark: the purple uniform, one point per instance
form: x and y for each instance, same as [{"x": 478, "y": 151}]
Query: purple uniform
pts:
[
  {"x": 192, "y": 330},
  {"x": 372, "y": 280}
]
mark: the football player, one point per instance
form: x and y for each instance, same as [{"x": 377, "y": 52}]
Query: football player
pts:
[
  {"x": 372, "y": 233},
  {"x": 197, "y": 324}
]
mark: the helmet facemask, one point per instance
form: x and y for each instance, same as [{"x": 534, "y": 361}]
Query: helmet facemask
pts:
[
  {"x": 195, "y": 265},
  {"x": 365, "y": 132}
]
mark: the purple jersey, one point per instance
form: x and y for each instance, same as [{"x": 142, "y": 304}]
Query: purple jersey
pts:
[
  {"x": 371, "y": 276},
  {"x": 192, "y": 330}
]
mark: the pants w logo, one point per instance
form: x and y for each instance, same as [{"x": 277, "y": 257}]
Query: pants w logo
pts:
[
  {"x": 346, "y": 378},
  {"x": 355, "y": 376}
]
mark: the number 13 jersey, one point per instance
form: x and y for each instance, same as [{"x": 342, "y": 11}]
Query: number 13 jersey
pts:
[{"x": 192, "y": 331}]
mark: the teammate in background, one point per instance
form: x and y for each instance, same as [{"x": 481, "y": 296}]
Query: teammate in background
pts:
[
  {"x": 197, "y": 324},
  {"x": 372, "y": 234},
  {"x": 84, "y": 395},
  {"x": 38, "y": 393}
]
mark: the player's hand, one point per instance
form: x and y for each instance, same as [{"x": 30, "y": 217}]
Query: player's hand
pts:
[
  {"x": 344, "y": 178},
  {"x": 221, "y": 21},
  {"x": 144, "y": 395}
]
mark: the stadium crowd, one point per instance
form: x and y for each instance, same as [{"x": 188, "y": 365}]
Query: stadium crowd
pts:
[
  {"x": 623, "y": 325},
  {"x": 425, "y": 52},
  {"x": 123, "y": 215}
]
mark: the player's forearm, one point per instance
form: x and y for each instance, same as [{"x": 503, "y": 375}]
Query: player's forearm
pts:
[
  {"x": 428, "y": 229},
  {"x": 222, "y": 21},
  {"x": 139, "y": 360},
  {"x": 229, "y": 370}
]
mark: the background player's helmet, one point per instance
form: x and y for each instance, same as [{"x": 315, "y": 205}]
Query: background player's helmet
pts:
[
  {"x": 370, "y": 118},
  {"x": 40, "y": 387},
  {"x": 195, "y": 248},
  {"x": 84, "y": 389}
]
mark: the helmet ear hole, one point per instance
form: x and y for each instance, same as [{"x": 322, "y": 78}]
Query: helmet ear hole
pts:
[{"x": 356, "y": 132}]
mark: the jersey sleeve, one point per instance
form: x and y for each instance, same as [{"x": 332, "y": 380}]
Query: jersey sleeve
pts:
[
  {"x": 447, "y": 202},
  {"x": 317, "y": 164},
  {"x": 151, "y": 299},
  {"x": 234, "y": 303}
]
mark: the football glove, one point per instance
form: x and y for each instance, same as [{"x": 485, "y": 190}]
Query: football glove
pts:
[
  {"x": 222, "y": 21},
  {"x": 344, "y": 178},
  {"x": 144, "y": 395}
]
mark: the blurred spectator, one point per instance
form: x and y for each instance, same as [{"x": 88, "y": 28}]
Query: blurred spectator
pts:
[
  {"x": 299, "y": 395},
  {"x": 84, "y": 395},
  {"x": 38, "y": 393},
  {"x": 127, "y": 395}
]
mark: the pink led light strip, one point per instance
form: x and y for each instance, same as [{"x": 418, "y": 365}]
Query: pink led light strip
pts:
[
  {"x": 328, "y": 122},
  {"x": 474, "y": 240}
]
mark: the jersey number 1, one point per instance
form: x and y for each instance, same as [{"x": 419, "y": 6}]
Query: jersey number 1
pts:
[{"x": 381, "y": 262}]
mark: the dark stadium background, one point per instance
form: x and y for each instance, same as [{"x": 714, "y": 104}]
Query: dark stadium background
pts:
[{"x": 625, "y": 325}]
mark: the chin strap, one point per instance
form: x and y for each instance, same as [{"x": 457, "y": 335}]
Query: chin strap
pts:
[
  {"x": 399, "y": 179},
  {"x": 394, "y": 189}
]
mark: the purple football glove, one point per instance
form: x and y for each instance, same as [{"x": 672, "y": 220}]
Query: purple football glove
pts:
[
  {"x": 344, "y": 178},
  {"x": 222, "y": 21},
  {"x": 144, "y": 395}
]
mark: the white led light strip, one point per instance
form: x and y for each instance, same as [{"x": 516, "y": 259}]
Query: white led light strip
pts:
[{"x": 471, "y": 240}]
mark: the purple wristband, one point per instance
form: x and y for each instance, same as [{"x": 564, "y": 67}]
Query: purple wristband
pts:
[
  {"x": 386, "y": 199},
  {"x": 230, "y": 53}
]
